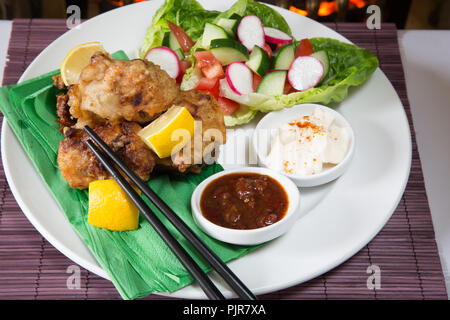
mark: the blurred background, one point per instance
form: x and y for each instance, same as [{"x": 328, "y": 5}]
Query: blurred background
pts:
[{"x": 406, "y": 14}]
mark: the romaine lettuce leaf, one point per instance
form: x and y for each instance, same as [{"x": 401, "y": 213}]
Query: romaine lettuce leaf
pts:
[
  {"x": 242, "y": 116},
  {"x": 268, "y": 16},
  {"x": 188, "y": 14}
]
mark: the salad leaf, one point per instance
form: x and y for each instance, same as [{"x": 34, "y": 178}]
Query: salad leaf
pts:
[
  {"x": 188, "y": 14},
  {"x": 242, "y": 116},
  {"x": 238, "y": 8},
  {"x": 268, "y": 16}
]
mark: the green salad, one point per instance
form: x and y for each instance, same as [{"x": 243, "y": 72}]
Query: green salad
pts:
[{"x": 247, "y": 58}]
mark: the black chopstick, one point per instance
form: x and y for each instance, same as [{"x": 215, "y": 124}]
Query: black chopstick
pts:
[
  {"x": 205, "y": 283},
  {"x": 221, "y": 268}
]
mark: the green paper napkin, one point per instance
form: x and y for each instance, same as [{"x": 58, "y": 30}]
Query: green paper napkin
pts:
[{"x": 138, "y": 262}]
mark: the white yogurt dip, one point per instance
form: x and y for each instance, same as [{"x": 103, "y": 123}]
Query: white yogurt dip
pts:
[{"x": 307, "y": 145}]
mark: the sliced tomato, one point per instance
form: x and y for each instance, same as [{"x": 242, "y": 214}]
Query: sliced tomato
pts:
[
  {"x": 267, "y": 49},
  {"x": 288, "y": 88},
  {"x": 215, "y": 91},
  {"x": 204, "y": 58},
  {"x": 186, "y": 43},
  {"x": 256, "y": 80},
  {"x": 304, "y": 48},
  {"x": 214, "y": 70},
  {"x": 210, "y": 86},
  {"x": 206, "y": 84},
  {"x": 227, "y": 106}
]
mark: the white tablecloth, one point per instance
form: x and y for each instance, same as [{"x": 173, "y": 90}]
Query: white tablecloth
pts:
[
  {"x": 5, "y": 30},
  {"x": 425, "y": 56}
]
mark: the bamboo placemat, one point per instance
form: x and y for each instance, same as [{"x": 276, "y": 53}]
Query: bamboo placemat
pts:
[{"x": 405, "y": 250}]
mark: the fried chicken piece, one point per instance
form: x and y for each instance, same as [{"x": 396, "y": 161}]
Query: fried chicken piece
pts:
[
  {"x": 207, "y": 138},
  {"x": 79, "y": 166},
  {"x": 135, "y": 90},
  {"x": 58, "y": 82},
  {"x": 62, "y": 110}
]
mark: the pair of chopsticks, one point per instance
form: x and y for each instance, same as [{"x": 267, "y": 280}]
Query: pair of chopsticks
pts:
[{"x": 108, "y": 158}]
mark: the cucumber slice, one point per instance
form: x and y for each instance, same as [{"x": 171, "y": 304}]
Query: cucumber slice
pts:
[
  {"x": 235, "y": 16},
  {"x": 228, "y": 51},
  {"x": 212, "y": 32},
  {"x": 259, "y": 61},
  {"x": 273, "y": 83},
  {"x": 165, "y": 41},
  {"x": 229, "y": 25},
  {"x": 179, "y": 53},
  {"x": 283, "y": 57},
  {"x": 323, "y": 57},
  {"x": 170, "y": 41}
]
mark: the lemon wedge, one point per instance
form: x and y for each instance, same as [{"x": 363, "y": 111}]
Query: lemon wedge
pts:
[
  {"x": 170, "y": 132},
  {"x": 78, "y": 58},
  {"x": 110, "y": 207}
]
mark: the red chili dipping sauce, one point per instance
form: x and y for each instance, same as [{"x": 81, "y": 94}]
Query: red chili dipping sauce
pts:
[{"x": 244, "y": 201}]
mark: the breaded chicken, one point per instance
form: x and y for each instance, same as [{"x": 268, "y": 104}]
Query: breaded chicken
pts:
[
  {"x": 110, "y": 89},
  {"x": 114, "y": 97},
  {"x": 206, "y": 111},
  {"x": 58, "y": 82},
  {"x": 62, "y": 110},
  {"x": 79, "y": 166}
]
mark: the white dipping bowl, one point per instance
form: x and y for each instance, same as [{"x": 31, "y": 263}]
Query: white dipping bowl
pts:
[
  {"x": 250, "y": 236},
  {"x": 261, "y": 142}
]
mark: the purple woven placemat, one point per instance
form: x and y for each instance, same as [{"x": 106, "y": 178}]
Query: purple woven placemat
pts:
[{"x": 405, "y": 250}]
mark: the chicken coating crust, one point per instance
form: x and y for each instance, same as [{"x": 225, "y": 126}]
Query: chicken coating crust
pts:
[
  {"x": 114, "y": 97},
  {"x": 79, "y": 166},
  {"x": 132, "y": 90},
  {"x": 63, "y": 112},
  {"x": 210, "y": 133},
  {"x": 58, "y": 82}
]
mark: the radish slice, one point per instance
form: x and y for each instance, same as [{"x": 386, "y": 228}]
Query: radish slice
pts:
[
  {"x": 276, "y": 36},
  {"x": 305, "y": 73},
  {"x": 239, "y": 78},
  {"x": 251, "y": 32},
  {"x": 166, "y": 59},
  {"x": 225, "y": 91}
]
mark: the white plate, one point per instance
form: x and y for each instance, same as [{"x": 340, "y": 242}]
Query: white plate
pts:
[{"x": 337, "y": 219}]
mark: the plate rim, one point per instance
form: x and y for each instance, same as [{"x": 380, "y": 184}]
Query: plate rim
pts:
[{"x": 7, "y": 131}]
